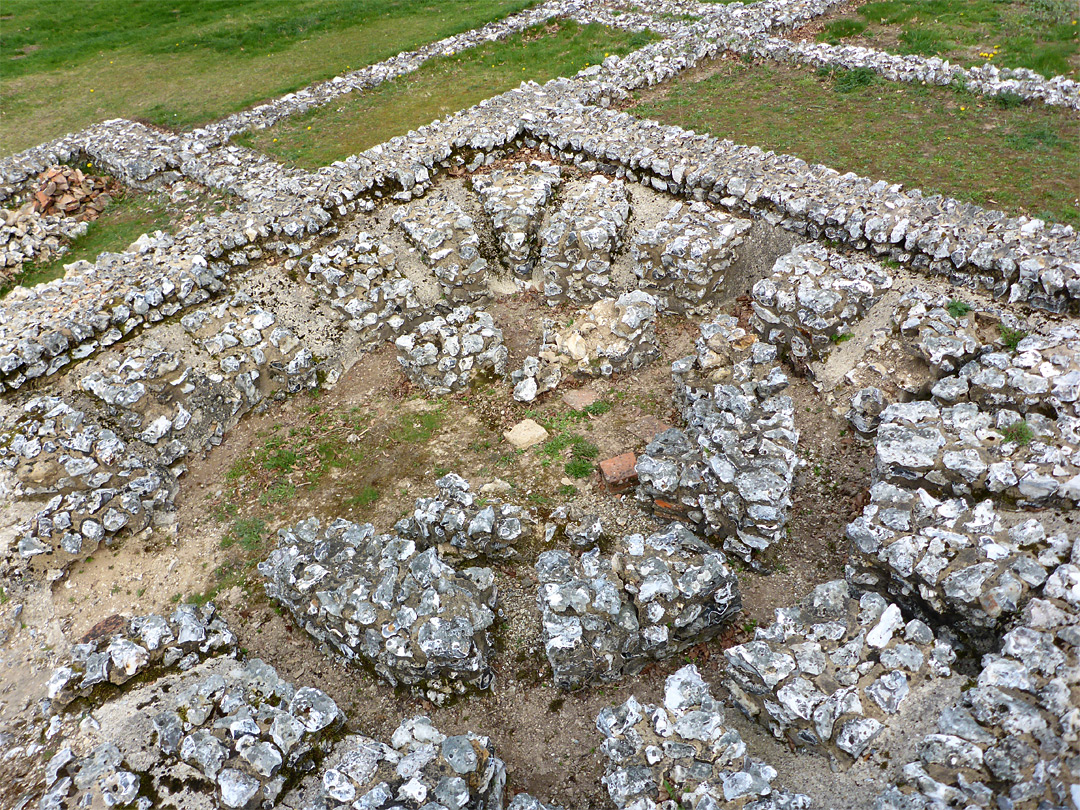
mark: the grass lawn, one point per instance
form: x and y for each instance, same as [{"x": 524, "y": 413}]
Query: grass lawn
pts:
[
  {"x": 1017, "y": 158},
  {"x": 1042, "y": 35},
  {"x": 442, "y": 86},
  {"x": 64, "y": 66},
  {"x": 128, "y": 218}
]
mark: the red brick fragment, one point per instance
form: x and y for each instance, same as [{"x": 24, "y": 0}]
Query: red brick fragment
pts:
[{"x": 618, "y": 472}]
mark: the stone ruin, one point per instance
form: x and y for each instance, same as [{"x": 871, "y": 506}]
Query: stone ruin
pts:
[{"x": 920, "y": 318}]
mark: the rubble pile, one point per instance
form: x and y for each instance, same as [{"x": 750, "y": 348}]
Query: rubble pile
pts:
[
  {"x": 221, "y": 734},
  {"x": 144, "y": 644},
  {"x": 613, "y": 335},
  {"x": 606, "y": 617},
  {"x": 685, "y": 751},
  {"x": 514, "y": 201},
  {"x": 683, "y": 257},
  {"x": 380, "y": 600},
  {"x": 448, "y": 353},
  {"x": 460, "y": 526},
  {"x": 580, "y": 242},
  {"x": 448, "y": 243},
  {"x": 833, "y": 671},
  {"x": 420, "y": 768},
  {"x": 812, "y": 297}
]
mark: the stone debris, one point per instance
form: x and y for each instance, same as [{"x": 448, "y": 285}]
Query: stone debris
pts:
[
  {"x": 964, "y": 451},
  {"x": 448, "y": 354},
  {"x": 459, "y": 526},
  {"x": 865, "y": 411},
  {"x": 514, "y": 201},
  {"x": 832, "y": 671},
  {"x": 223, "y": 734},
  {"x": 448, "y": 243},
  {"x": 605, "y": 617},
  {"x": 729, "y": 474},
  {"x": 682, "y": 754},
  {"x": 96, "y": 486},
  {"x": 812, "y": 298},
  {"x": 581, "y": 240},
  {"x": 525, "y": 434},
  {"x": 145, "y": 644},
  {"x": 382, "y": 601},
  {"x": 523, "y": 801},
  {"x": 420, "y": 768},
  {"x": 682, "y": 259},
  {"x": 971, "y": 566},
  {"x": 359, "y": 278},
  {"x": 59, "y": 203},
  {"x": 613, "y": 335}
]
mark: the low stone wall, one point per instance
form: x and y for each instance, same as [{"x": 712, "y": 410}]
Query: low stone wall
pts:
[
  {"x": 447, "y": 240},
  {"x": 681, "y": 260},
  {"x": 581, "y": 240},
  {"x": 514, "y": 201},
  {"x": 971, "y": 566},
  {"x": 962, "y": 450},
  {"x": 813, "y": 296},
  {"x": 606, "y": 617},
  {"x": 447, "y": 354},
  {"x": 685, "y": 750},
  {"x": 731, "y": 472},
  {"x": 831, "y": 672},
  {"x": 379, "y": 600},
  {"x": 987, "y": 79}
]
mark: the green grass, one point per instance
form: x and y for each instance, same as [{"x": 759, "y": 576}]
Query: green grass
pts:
[
  {"x": 1038, "y": 34},
  {"x": 191, "y": 61},
  {"x": 364, "y": 497},
  {"x": 958, "y": 308},
  {"x": 942, "y": 140},
  {"x": 124, "y": 221},
  {"x": 247, "y": 533},
  {"x": 441, "y": 87},
  {"x": 1011, "y": 337},
  {"x": 418, "y": 427},
  {"x": 1018, "y": 433}
]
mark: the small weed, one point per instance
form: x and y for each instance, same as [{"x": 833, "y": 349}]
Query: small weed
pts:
[
  {"x": 1011, "y": 337},
  {"x": 839, "y": 338},
  {"x": 848, "y": 81},
  {"x": 247, "y": 533},
  {"x": 1019, "y": 433},
  {"x": 556, "y": 704},
  {"x": 282, "y": 460},
  {"x": 140, "y": 592},
  {"x": 1009, "y": 101},
  {"x": 958, "y": 308},
  {"x": 365, "y": 497},
  {"x": 596, "y": 409},
  {"x": 280, "y": 493},
  {"x": 566, "y": 490},
  {"x": 418, "y": 427},
  {"x": 579, "y": 468},
  {"x": 4, "y": 598}
]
